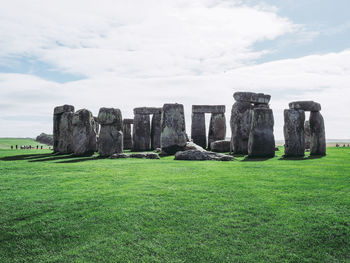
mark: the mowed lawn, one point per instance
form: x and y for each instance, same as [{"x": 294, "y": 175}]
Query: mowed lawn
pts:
[{"x": 55, "y": 208}]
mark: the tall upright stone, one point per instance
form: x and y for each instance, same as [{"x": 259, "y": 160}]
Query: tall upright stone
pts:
[
  {"x": 217, "y": 128},
  {"x": 198, "y": 133},
  {"x": 84, "y": 133},
  {"x": 110, "y": 140},
  {"x": 141, "y": 133},
  {"x": 307, "y": 133},
  {"x": 127, "y": 137},
  {"x": 261, "y": 141},
  {"x": 62, "y": 129},
  {"x": 97, "y": 126},
  {"x": 294, "y": 133},
  {"x": 155, "y": 130},
  {"x": 318, "y": 134},
  {"x": 173, "y": 129},
  {"x": 240, "y": 127}
]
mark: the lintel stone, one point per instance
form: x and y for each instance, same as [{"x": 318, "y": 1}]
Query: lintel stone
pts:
[
  {"x": 147, "y": 110},
  {"x": 208, "y": 108},
  {"x": 256, "y": 98}
]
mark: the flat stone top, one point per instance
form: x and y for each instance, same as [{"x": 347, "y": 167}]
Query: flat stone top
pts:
[
  {"x": 82, "y": 117},
  {"x": 147, "y": 110},
  {"x": 128, "y": 121},
  {"x": 63, "y": 108},
  {"x": 208, "y": 108},
  {"x": 258, "y": 98},
  {"x": 109, "y": 116},
  {"x": 305, "y": 105}
]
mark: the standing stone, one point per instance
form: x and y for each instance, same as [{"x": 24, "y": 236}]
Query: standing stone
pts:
[
  {"x": 62, "y": 143},
  {"x": 65, "y": 142},
  {"x": 198, "y": 133},
  {"x": 318, "y": 135},
  {"x": 307, "y": 133},
  {"x": 240, "y": 127},
  {"x": 127, "y": 143},
  {"x": 84, "y": 134},
  {"x": 97, "y": 126},
  {"x": 155, "y": 130},
  {"x": 110, "y": 140},
  {"x": 217, "y": 128},
  {"x": 173, "y": 129},
  {"x": 141, "y": 133},
  {"x": 294, "y": 133},
  {"x": 261, "y": 141}
]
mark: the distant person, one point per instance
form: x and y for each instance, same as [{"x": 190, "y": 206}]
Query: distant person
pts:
[
  {"x": 344, "y": 145},
  {"x": 337, "y": 145},
  {"x": 41, "y": 147},
  {"x": 37, "y": 147},
  {"x": 16, "y": 147},
  {"x": 11, "y": 147}
]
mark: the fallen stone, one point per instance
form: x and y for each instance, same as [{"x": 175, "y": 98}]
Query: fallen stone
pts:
[
  {"x": 294, "y": 133},
  {"x": 305, "y": 105},
  {"x": 217, "y": 128},
  {"x": 220, "y": 146},
  {"x": 84, "y": 134},
  {"x": 198, "y": 133},
  {"x": 208, "y": 108},
  {"x": 258, "y": 98},
  {"x": 136, "y": 155},
  {"x": 196, "y": 155},
  {"x": 318, "y": 134},
  {"x": 192, "y": 146},
  {"x": 261, "y": 141},
  {"x": 240, "y": 127},
  {"x": 173, "y": 130}
]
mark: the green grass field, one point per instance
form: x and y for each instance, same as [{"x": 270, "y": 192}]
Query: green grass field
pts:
[{"x": 55, "y": 208}]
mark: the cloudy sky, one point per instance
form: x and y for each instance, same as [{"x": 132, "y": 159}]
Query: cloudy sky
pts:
[{"x": 127, "y": 54}]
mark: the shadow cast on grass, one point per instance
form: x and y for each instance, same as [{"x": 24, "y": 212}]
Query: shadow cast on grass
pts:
[
  {"x": 300, "y": 158},
  {"x": 256, "y": 159},
  {"x": 25, "y": 157},
  {"x": 78, "y": 159}
]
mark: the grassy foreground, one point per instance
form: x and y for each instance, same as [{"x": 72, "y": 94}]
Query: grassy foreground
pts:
[{"x": 64, "y": 209}]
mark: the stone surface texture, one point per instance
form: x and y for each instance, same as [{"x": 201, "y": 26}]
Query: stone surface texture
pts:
[
  {"x": 197, "y": 155},
  {"x": 220, "y": 146},
  {"x": 141, "y": 133},
  {"x": 240, "y": 127},
  {"x": 305, "y": 105},
  {"x": 208, "y": 108},
  {"x": 318, "y": 134},
  {"x": 127, "y": 137},
  {"x": 198, "y": 131},
  {"x": 58, "y": 135},
  {"x": 307, "y": 133},
  {"x": 135, "y": 155},
  {"x": 294, "y": 133},
  {"x": 261, "y": 141},
  {"x": 84, "y": 134},
  {"x": 155, "y": 130},
  {"x": 256, "y": 98},
  {"x": 173, "y": 129},
  {"x": 110, "y": 139},
  {"x": 217, "y": 128}
]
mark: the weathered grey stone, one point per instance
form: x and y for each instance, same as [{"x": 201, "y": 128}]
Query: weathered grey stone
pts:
[
  {"x": 258, "y": 98},
  {"x": 294, "y": 133},
  {"x": 220, "y": 146},
  {"x": 147, "y": 110},
  {"x": 318, "y": 134},
  {"x": 63, "y": 108},
  {"x": 65, "y": 142},
  {"x": 240, "y": 127},
  {"x": 196, "y": 155},
  {"x": 193, "y": 146},
  {"x": 84, "y": 134},
  {"x": 57, "y": 116},
  {"x": 305, "y": 105},
  {"x": 217, "y": 128},
  {"x": 307, "y": 133},
  {"x": 45, "y": 138},
  {"x": 127, "y": 138},
  {"x": 198, "y": 133},
  {"x": 173, "y": 129},
  {"x": 128, "y": 121},
  {"x": 141, "y": 139},
  {"x": 208, "y": 108},
  {"x": 110, "y": 140},
  {"x": 261, "y": 141},
  {"x": 155, "y": 130},
  {"x": 135, "y": 155}
]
